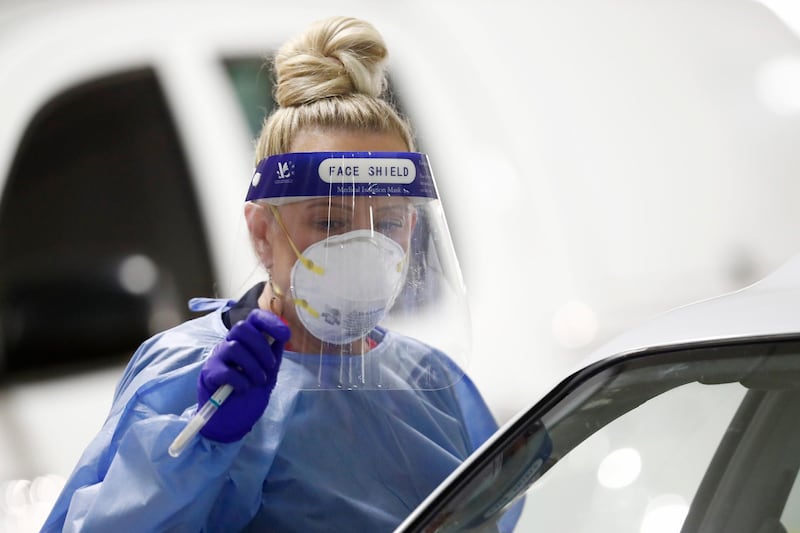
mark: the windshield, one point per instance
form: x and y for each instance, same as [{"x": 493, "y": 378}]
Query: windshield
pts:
[{"x": 662, "y": 442}]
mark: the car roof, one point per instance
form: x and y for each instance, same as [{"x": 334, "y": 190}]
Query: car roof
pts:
[{"x": 766, "y": 308}]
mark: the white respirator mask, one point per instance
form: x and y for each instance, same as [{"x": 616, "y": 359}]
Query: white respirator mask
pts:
[{"x": 344, "y": 285}]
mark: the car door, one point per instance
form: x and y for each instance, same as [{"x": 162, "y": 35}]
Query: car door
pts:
[{"x": 696, "y": 438}]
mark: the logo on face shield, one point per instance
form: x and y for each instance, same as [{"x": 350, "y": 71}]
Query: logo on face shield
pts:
[{"x": 285, "y": 170}]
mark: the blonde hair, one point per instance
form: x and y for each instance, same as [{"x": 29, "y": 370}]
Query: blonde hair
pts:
[{"x": 332, "y": 76}]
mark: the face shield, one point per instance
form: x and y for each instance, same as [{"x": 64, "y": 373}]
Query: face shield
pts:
[{"x": 359, "y": 250}]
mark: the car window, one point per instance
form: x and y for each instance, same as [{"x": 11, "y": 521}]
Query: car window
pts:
[
  {"x": 252, "y": 81},
  {"x": 100, "y": 233},
  {"x": 639, "y": 472},
  {"x": 791, "y": 513},
  {"x": 693, "y": 440}
]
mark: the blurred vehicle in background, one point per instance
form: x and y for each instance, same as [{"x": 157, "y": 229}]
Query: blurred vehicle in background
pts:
[
  {"x": 597, "y": 163},
  {"x": 686, "y": 424}
]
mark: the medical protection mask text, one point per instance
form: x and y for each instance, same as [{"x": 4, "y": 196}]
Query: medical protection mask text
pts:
[{"x": 344, "y": 285}]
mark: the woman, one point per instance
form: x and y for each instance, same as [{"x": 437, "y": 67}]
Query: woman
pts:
[{"x": 335, "y": 423}]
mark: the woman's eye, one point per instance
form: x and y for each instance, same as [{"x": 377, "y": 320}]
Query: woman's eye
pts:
[
  {"x": 389, "y": 225},
  {"x": 330, "y": 224}
]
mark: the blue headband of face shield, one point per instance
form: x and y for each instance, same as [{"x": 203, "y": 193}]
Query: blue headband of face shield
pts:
[{"x": 285, "y": 178}]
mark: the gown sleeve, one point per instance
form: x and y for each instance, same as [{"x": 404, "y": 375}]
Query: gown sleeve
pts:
[{"x": 127, "y": 481}]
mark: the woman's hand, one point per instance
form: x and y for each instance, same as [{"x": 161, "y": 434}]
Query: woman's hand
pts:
[{"x": 248, "y": 359}]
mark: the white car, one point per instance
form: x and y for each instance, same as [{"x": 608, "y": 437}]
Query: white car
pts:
[
  {"x": 597, "y": 164},
  {"x": 686, "y": 424}
]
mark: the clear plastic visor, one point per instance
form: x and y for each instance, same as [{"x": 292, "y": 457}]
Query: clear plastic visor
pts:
[{"x": 366, "y": 274}]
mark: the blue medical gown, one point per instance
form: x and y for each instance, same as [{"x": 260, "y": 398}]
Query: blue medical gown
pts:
[{"x": 359, "y": 458}]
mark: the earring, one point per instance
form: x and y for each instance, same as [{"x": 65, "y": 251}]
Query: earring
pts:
[{"x": 275, "y": 304}]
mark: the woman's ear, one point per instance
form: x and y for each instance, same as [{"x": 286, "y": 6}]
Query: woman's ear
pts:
[{"x": 259, "y": 221}]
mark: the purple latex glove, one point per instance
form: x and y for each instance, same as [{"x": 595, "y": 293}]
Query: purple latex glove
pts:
[{"x": 249, "y": 363}]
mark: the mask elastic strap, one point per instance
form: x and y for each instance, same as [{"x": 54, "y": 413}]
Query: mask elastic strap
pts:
[{"x": 306, "y": 262}]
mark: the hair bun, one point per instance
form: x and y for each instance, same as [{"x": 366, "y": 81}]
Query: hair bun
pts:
[{"x": 338, "y": 56}]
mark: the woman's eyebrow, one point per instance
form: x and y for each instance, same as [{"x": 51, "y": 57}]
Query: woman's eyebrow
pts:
[
  {"x": 403, "y": 207},
  {"x": 328, "y": 205}
]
